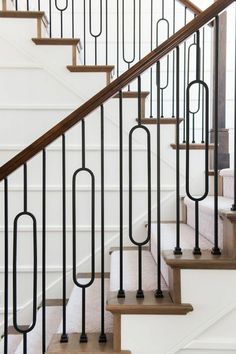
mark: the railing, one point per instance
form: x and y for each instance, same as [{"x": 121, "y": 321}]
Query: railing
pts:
[
  {"x": 121, "y": 33},
  {"x": 38, "y": 153}
]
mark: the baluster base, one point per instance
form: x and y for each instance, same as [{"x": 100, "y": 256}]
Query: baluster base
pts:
[
  {"x": 121, "y": 294},
  {"x": 64, "y": 338},
  {"x": 159, "y": 294},
  {"x": 178, "y": 251},
  {"x": 102, "y": 338},
  {"x": 140, "y": 294},
  {"x": 83, "y": 338},
  {"x": 216, "y": 251},
  {"x": 197, "y": 251},
  {"x": 233, "y": 207}
]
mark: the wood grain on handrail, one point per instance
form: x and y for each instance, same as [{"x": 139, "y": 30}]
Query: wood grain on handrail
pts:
[
  {"x": 114, "y": 87},
  {"x": 191, "y": 6}
]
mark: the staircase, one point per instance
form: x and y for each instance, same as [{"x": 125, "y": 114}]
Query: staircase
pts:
[{"x": 118, "y": 223}]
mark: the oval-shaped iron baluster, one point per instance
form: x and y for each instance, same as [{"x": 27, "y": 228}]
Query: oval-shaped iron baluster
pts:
[
  {"x": 140, "y": 293},
  {"x": 178, "y": 250},
  {"x": 216, "y": 249},
  {"x": 18, "y": 328},
  {"x": 61, "y": 9},
  {"x": 83, "y": 336},
  {"x": 98, "y": 34},
  {"x": 234, "y": 134},
  {"x": 158, "y": 292},
  {"x": 166, "y": 84},
  {"x": 132, "y": 58},
  {"x": 118, "y": 38},
  {"x": 197, "y": 250},
  {"x": 50, "y": 18},
  {"x": 73, "y": 18},
  {"x": 6, "y": 266},
  {"x": 203, "y": 79},
  {"x": 15, "y": 305}
]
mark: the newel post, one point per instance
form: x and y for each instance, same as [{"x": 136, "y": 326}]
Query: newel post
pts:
[{"x": 229, "y": 233}]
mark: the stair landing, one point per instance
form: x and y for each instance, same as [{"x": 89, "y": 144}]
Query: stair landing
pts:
[{"x": 92, "y": 347}]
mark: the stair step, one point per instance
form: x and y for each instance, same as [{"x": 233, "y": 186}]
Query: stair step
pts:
[
  {"x": 23, "y": 14},
  {"x": 92, "y": 347},
  {"x": 132, "y": 94},
  {"x": 206, "y": 261},
  {"x": 13, "y": 342},
  {"x": 93, "y": 306},
  {"x": 149, "y": 305},
  {"x": 163, "y": 121},
  {"x": 168, "y": 241},
  {"x": 193, "y": 146},
  {"x": 206, "y": 216},
  {"x": 130, "y": 259},
  {"x": 53, "y": 317},
  {"x": 91, "y": 68},
  {"x": 54, "y": 302},
  {"x": 57, "y": 41}
]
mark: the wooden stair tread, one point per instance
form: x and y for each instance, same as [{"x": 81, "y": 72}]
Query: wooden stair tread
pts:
[
  {"x": 57, "y": 41},
  {"x": 132, "y": 94},
  {"x": 163, "y": 121},
  {"x": 23, "y": 14},
  {"x": 148, "y": 305},
  {"x": 193, "y": 146},
  {"x": 206, "y": 261},
  {"x": 91, "y": 68},
  {"x": 54, "y": 302},
  {"x": 74, "y": 346}
]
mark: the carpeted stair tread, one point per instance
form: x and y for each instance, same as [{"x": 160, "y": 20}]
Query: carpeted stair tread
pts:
[
  {"x": 206, "y": 215},
  {"x": 131, "y": 271},
  {"x": 34, "y": 338},
  {"x": 93, "y": 309}
]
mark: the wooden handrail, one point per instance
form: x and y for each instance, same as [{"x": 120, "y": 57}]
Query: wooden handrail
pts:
[
  {"x": 191, "y": 6},
  {"x": 113, "y": 88}
]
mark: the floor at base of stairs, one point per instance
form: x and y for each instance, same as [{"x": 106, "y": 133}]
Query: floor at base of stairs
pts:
[{"x": 74, "y": 346}]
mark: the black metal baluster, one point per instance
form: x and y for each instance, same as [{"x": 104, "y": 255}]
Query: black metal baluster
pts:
[
  {"x": 106, "y": 32},
  {"x": 39, "y": 5},
  {"x": 85, "y": 41},
  {"x": 25, "y": 212},
  {"x": 140, "y": 30},
  {"x": 50, "y": 18},
  {"x": 125, "y": 59},
  {"x": 61, "y": 9},
  {"x": 197, "y": 250},
  {"x": 64, "y": 336},
  {"x": 73, "y": 19},
  {"x": 151, "y": 69},
  {"x": 121, "y": 292},
  {"x": 216, "y": 249},
  {"x": 173, "y": 59},
  {"x": 27, "y": 5},
  {"x": 203, "y": 78},
  {"x": 166, "y": 84},
  {"x": 98, "y": 34},
  {"x": 178, "y": 249},
  {"x": 185, "y": 86},
  {"x": 140, "y": 293},
  {"x": 83, "y": 336},
  {"x": 103, "y": 337},
  {"x": 6, "y": 267},
  {"x": 44, "y": 329},
  {"x": 118, "y": 38},
  {"x": 234, "y": 164},
  {"x": 158, "y": 292}
]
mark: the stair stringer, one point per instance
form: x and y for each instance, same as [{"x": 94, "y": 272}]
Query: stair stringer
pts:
[{"x": 204, "y": 289}]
